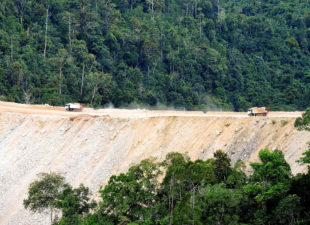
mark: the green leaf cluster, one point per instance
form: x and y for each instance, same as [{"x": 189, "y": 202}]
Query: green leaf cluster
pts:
[
  {"x": 180, "y": 191},
  {"x": 52, "y": 193}
]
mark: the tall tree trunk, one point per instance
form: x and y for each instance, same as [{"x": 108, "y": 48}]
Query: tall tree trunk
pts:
[
  {"x": 94, "y": 94},
  {"x": 11, "y": 48},
  {"x": 193, "y": 204},
  {"x": 69, "y": 34},
  {"x": 19, "y": 77},
  {"x": 59, "y": 82},
  {"x": 45, "y": 37},
  {"x": 195, "y": 10},
  {"x": 82, "y": 82},
  {"x": 152, "y": 9},
  {"x": 187, "y": 9},
  {"x": 27, "y": 97},
  {"x": 20, "y": 7},
  {"x": 171, "y": 201},
  {"x": 96, "y": 7}
]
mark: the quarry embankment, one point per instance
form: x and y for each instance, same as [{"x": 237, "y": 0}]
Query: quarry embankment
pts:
[{"x": 89, "y": 146}]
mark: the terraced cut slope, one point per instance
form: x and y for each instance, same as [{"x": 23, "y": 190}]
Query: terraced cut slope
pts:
[{"x": 87, "y": 147}]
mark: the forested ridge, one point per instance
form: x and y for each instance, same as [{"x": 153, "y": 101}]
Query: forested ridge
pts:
[{"x": 193, "y": 54}]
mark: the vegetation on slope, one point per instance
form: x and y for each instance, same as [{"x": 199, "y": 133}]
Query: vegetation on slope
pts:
[
  {"x": 193, "y": 54},
  {"x": 199, "y": 192},
  {"x": 180, "y": 191}
]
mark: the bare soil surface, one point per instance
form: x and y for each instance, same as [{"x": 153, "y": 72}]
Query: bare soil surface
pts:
[
  {"x": 89, "y": 146},
  {"x": 123, "y": 113}
]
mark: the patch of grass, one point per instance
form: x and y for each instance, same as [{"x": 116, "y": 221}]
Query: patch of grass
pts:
[{"x": 283, "y": 122}]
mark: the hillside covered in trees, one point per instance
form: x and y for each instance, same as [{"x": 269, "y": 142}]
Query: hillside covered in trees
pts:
[
  {"x": 193, "y": 54},
  {"x": 199, "y": 192}
]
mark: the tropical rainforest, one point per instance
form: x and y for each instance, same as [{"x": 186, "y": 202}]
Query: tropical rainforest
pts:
[{"x": 186, "y": 54}]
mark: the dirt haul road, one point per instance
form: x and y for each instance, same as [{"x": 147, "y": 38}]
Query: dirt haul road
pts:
[
  {"x": 87, "y": 147},
  {"x": 121, "y": 113}
]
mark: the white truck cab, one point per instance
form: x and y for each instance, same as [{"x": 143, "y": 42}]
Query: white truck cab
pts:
[{"x": 74, "y": 107}]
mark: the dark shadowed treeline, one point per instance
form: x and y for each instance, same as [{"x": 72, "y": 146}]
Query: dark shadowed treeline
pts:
[{"x": 193, "y": 54}]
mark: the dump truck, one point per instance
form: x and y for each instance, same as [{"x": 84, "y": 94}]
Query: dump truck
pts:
[
  {"x": 74, "y": 107},
  {"x": 258, "y": 111}
]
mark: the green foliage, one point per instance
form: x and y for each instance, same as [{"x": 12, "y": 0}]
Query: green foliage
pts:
[
  {"x": 190, "y": 55},
  {"x": 51, "y": 192},
  {"x": 300, "y": 184},
  {"x": 272, "y": 169},
  {"x": 283, "y": 122},
  {"x": 303, "y": 123},
  {"x": 288, "y": 210},
  {"x": 221, "y": 205},
  {"x": 180, "y": 191},
  {"x": 44, "y": 193},
  {"x": 271, "y": 181},
  {"x": 221, "y": 166},
  {"x": 74, "y": 203},
  {"x": 132, "y": 195}
]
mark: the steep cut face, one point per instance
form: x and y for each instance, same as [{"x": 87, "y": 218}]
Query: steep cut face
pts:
[{"x": 89, "y": 146}]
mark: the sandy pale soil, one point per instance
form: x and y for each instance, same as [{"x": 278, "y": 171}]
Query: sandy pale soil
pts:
[{"x": 88, "y": 146}]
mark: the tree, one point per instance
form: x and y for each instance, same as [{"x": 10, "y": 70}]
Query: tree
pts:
[
  {"x": 270, "y": 182},
  {"x": 288, "y": 210},
  {"x": 99, "y": 80},
  {"x": 68, "y": 17},
  {"x": 132, "y": 195},
  {"x": 84, "y": 59},
  {"x": 46, "y": 29},
  {"x": 170, "y": 184},
  {"x": 303, "y": 123},
  {"x": 221, "y": 205},
  {"x": 59, "y": 62},
  {"x": 74, "y": 203},
  {"x": 221, "y": 165},
  {"x": 43, "y": 194},
  {"x": 181, "y": 186}
]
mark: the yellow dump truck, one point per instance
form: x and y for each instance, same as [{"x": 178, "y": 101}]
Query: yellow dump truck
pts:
[
  {"x": 74, "y": 107},
  {"x": 258, "y": 111}
]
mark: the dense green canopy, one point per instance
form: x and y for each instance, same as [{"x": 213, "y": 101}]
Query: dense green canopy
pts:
[
  {"x": 179, "y": 191},
  {"x": 193, "y": 54}
]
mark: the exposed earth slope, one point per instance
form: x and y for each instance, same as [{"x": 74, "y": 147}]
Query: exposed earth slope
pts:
[{"x": 87, "y": 147}]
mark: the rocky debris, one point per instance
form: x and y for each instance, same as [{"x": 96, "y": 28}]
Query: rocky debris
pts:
[
  {"x": 264, "y": 124},
  {"x": 218, "y": 132},
  {"x": 238, "y": 129}
]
